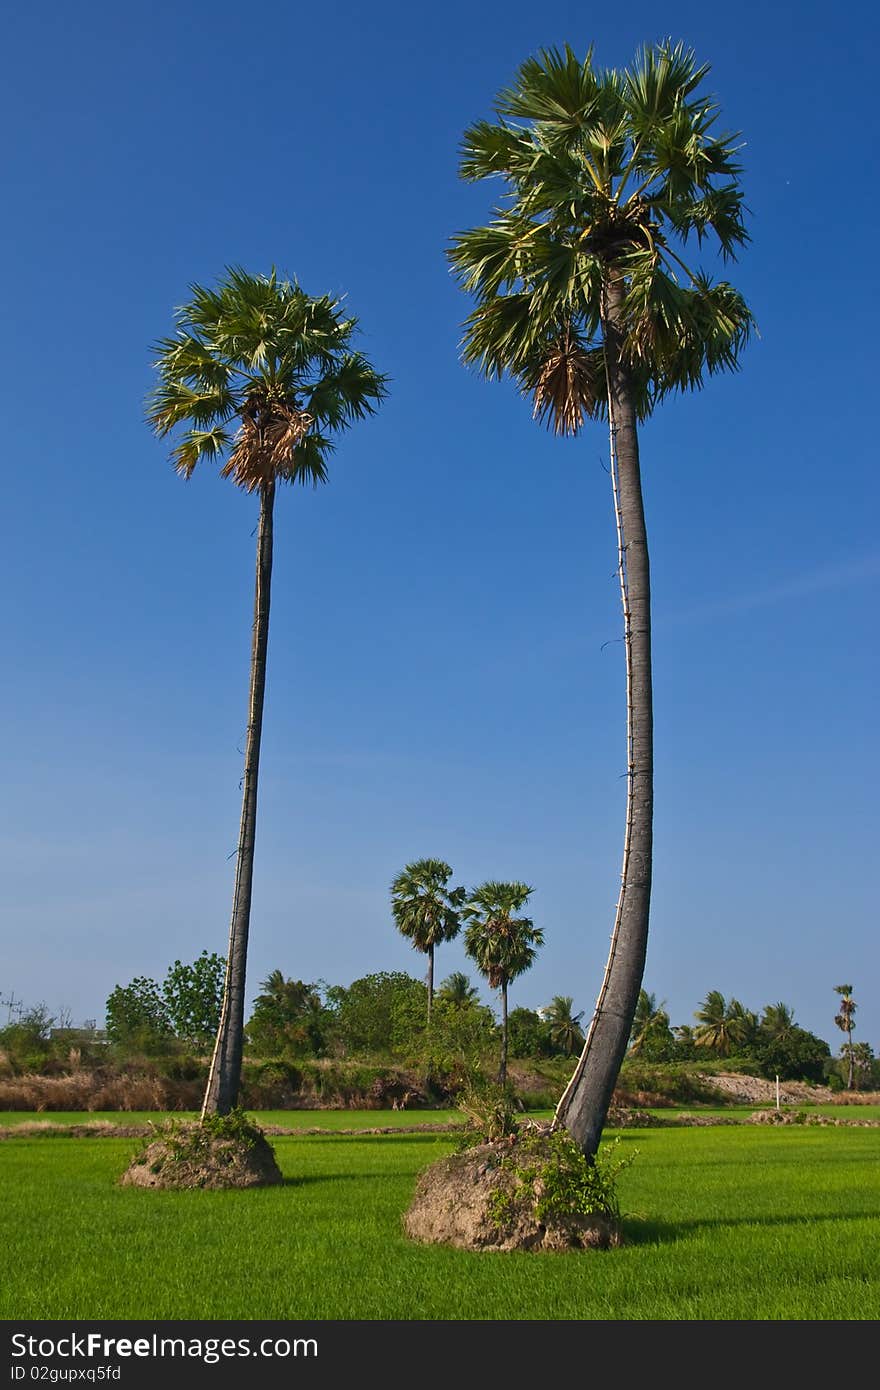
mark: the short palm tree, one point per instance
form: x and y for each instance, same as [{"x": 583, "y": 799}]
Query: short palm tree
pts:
[
  {"x": 777, "y": 1022},
  {"x": 457, "y": 990},
  {"x": 650, "y": 1021},
  {"x": 585, "y": 299},
  {"x": 260, "y": 377},
  {"x": 564, "y": 1024},
  {"x": 721, "y": 1026},
  {"x": 502, "y": 945},
  {"x": 426, "y": 911},
  {"x": 845, "y": 1021}
]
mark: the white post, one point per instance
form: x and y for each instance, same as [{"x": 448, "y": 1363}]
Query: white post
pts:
[{"x": 777, "y": 1091}]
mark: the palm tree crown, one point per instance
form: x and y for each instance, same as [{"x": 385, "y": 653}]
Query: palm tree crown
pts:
[
  {"x": 261, "y": 375},
  {"x": 723, "y": 1025},
  {"x": 457, "y": 990},
  {"x": 609, "y": 176},
  {"x": 564, "y": 1024},
  {"x": 425, "y": 910},
  {"x": 502, "y": 945}
]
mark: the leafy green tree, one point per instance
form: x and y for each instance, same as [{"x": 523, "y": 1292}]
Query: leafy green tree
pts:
[
  {"x": 796, "y": 1055},
  {"x": 289, "y": 1019},
  {"x": 585, "y": 299},
  {"x": 262, "y": 377},
  {"x": 527, "y": 1034},
  {"x": 844, "y": 1020},
  {"x": 426, "y": 911},
  {"x": 137, "y": 1017},
  {"x": 457, "y": 990},
  {"x": 380, "y": 1013},
  {"x": 564, "y": 1025},
  {"x": 26, "y": 1041},
  {"x": 193, "y": 995},
  {"x": 501, "y": 945}
]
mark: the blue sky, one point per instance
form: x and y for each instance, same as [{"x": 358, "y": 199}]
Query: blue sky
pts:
[{"x": 444, "y": 678}]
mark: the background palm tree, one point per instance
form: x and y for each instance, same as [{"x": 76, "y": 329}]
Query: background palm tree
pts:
[
  {"x": 777, "y": 1022},
  {"x": 584, "y": 298},
  {"x": 260, "y": 377},
  {"x": 650, "y": 1021},
  {"x": 844, "y": 1020},
  {"x": 721, "y": 1025},
  {"x": 565, "y": 1032},
  {"x": 425, "y": 910},
  {"x": 501, "y": 945},
  {"x": 457, "y": 990}
]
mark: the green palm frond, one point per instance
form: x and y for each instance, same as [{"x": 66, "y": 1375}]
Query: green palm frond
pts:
[
  {"x": 606, "y": 173},
  {"x": 501, "y": 944},
  {"x": 423, "y": 907},
  {"x": 259, "y": 350}
]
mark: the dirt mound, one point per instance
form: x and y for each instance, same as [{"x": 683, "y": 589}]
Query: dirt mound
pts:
[
  {"x": 626, "y": 1117},
  {"x": 191, "y": 1156},
  {"x": 500, "y": 1196},
  {"x": 755, "y": 1090}
]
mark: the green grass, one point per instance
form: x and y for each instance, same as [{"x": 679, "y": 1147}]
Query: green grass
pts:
[
  {"x": 726, "y": 1223},
  {"x": 289, "y": 1119}
]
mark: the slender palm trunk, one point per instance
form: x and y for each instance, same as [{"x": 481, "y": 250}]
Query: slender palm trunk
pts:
[
  {"x": 224, "y": 1077},
  {"x": 502, "y": 1070},
  {"x": 430, "y": 981},
  {"x": 584, "y": 1104},
  {"x": 851, "y": 1080}
]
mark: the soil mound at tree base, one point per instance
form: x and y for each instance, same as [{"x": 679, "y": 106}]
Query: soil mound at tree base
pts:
[
  {"x": 505, "y": 1195},
  {"x": 192, "y": 1156}
]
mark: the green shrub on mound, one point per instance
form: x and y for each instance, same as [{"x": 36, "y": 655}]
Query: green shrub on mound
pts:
[
  {"x": 532, "y": 1190},
  {"x": 220, "y": 1151}
]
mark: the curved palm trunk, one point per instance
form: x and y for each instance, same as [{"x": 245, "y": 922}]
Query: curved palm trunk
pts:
[
  {"x": 224, "y": 1077},
  {"x": 502, "y": 1070},
  {"x": 584, "y": 1104}
]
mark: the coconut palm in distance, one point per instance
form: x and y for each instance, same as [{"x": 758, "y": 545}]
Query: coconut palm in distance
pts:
[
  {"x": 457, "y": 990},
  {"x": 844, "y": 1020},
  {"x": 650, "y": 1022},
  {"x": 565, "y": 1030},
  {"x": 585, "y": 299},
  {"x": 501, "y": 945},
  {"x": 426, "y": 911},
  {"x": 721, "y": 1026},
  {"x": 260, "y": 377}
]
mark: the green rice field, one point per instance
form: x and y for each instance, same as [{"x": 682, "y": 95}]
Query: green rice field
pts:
[{"x": 732, "y": 1222}]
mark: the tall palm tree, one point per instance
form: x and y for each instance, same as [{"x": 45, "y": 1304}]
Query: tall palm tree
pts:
[
  {"x": 584, "y": 298},
  {"x": 565, "y": 1030},
  {"x": 844, "y": 1021},
  {"x": 501, "y": 945},
  {"x": 426, "y": 911},
  {"x": 457, "y": 990},
  {"x": 260, "y": 377}
]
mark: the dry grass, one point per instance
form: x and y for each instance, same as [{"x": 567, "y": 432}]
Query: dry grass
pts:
[{"x": 85, "y": 1091}]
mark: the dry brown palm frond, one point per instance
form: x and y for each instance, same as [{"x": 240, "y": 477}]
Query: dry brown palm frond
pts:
[
  {"x": 265, "y": 443},
  {"x": 564, "y": 393}
]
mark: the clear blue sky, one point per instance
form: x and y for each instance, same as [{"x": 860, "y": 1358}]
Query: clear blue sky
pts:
[{"x": 439, "y": 682}]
